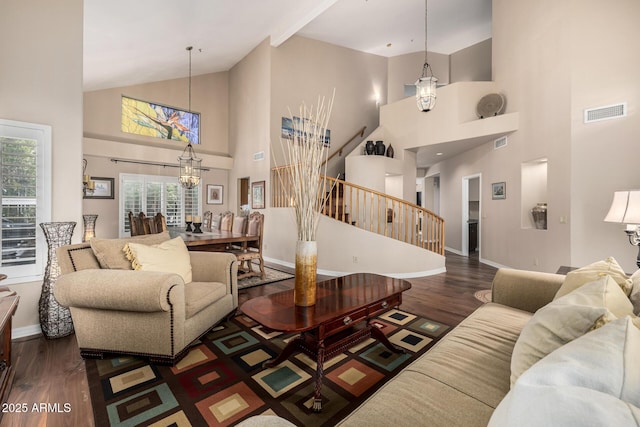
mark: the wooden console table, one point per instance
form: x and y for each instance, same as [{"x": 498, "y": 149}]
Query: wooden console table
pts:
[
  {"x": 339, "y": 319},
  {"x": 8, "y": 306}
]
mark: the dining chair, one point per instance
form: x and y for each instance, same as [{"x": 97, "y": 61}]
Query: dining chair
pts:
[
  {"x": 253, "y": 250},
  {"x": 136, "y": 223},
  {"x": 226, "y": 223},
  {"x": 206, "y": 220},
  {"x": 239, "y": 225},
  {"x": 215, "y": 221},
  {"x": 141, "y": 224}
]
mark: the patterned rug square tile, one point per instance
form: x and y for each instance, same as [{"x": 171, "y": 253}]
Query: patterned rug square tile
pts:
[{"x": 221, "y": 381}]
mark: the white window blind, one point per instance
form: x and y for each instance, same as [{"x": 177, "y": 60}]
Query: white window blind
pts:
[
  {"x": 25, "y": 170},
  {"x": 154, "y": 194}
]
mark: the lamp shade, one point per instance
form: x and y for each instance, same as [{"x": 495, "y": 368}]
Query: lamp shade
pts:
[
  {"x": 625, "y": 207},
  {"x": 426, "y": 93}
]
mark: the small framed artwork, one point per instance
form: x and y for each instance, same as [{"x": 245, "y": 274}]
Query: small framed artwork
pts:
[
  {"x": 257, "y": 195},
  {"x": 104, "y": 188},
  {"x": 499, "y": 190},
  {"x": 214, "y": 194}
]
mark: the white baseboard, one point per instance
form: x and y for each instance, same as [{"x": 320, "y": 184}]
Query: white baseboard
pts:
[
  {"x": 25, "y": 331},
  {"x": 493, "y": 264}
]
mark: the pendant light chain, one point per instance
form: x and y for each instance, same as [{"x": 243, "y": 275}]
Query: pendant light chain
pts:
[
  {"x": 190, "y": 48},
  {"x": 426, "y": 34}
]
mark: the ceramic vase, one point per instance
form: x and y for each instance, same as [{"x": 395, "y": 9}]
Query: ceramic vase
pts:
[
  {"x": 89, "y": 221},
  {"x": 55, "y": 320},
  {"x": 369, "y": 148},
  {"x": 304, "y": 292},
  {"x": 539, "y": 213},
  {"x": 380, "y": 148},
  {"x": 390, "y": 151}
]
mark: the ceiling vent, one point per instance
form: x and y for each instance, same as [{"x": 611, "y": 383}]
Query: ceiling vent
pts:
[
  {"x": 500, "y": 142},
  {"x": 605, "y": 113}
]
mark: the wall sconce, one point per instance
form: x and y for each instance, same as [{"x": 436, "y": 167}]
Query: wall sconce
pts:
[
  {"x": 625, "y": 209},
  {"x": 88, "y": 185}
]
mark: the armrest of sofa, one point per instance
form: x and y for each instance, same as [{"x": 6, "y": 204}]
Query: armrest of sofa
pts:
[
  {"x": 124, "y": 290},
  {"x": 214, "y": 267},
  {"x": 523, "y": 289}
]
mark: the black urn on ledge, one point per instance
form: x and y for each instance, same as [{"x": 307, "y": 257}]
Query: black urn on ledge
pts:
[
  {"x": 369, "y": 148},
  {"x": 380, "y": 148}
]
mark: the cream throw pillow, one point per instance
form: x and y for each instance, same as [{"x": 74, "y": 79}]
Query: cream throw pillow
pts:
[
  {"x": 591, "y": 272},
  {"x": 634, "y": 296},
  {"x": 566, "y": 319},
  {"x": 171, "y": 256},
  {"x": 109, "y": 251},
  {"x": 592, "y": 380}
]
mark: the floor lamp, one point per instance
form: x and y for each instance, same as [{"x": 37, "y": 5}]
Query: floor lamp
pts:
[{"x": 625, "y": 209}]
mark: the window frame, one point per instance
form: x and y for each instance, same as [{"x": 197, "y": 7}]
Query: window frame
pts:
[
  {"x": 44, "y": 177},
  {"x": 148, "y": 179}
]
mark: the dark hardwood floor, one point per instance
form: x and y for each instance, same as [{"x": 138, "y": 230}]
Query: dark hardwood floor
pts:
[{"x": 52, "y": 372}]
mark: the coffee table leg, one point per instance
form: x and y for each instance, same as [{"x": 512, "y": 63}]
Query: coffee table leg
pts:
[
  {"x": 286, "y": 352},
  {"x": 380, "y": 336},
  {"x": 317, "y": 400}
]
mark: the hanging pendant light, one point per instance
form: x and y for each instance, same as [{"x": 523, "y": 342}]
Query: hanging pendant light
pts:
[
  {"x": 426, "y": 84},
  {"x": 190, "y": 165}
]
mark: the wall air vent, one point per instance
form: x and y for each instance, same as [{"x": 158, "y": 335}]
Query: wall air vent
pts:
[
  {"x": 500, "y": 142},
  {"x": 258, "y": 156},
  {"x": 605, "y": 113}
]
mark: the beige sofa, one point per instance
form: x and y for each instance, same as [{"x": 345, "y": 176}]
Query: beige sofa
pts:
[
  {"x": 146, "y": 313},
  {"x": 589, "y": 379}
]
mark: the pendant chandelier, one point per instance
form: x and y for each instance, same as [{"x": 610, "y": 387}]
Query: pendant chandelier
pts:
[
  {"x": 190, "y": 165},
  {"x": 426, "y": 84}
]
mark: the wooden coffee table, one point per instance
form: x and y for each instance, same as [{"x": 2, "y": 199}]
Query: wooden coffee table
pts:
[{"x": 339, "y": 319}]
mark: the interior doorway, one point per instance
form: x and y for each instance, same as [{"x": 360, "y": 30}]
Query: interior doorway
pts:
[
  {"x": 471, "y": 214},
  {"x": 243, "y": 195}
]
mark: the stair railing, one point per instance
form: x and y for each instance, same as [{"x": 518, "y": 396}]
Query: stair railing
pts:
[
  {"x": 372, "y": 211},
  {"x": 338, "y": 152}
]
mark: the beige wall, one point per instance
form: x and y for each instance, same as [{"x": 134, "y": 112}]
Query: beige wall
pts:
[
  {"x": 604, "y": 155},
  {"x": 249, "y": 131},
  {"x": 543, "y": 63},
  {"x": 471, "y": 64},
  {"x": 209, "y": 97},
  {"x": 41, "y": 82}
]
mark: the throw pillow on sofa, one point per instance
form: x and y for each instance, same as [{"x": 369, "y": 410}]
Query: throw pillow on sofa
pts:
[
  {"x": 591, "y": 272},
  {"x": 566, "y": 319},
  {"x": 171, "y": 256},
  {"x": 589, "y": 381},
  {"x": 109, "y": 251}
]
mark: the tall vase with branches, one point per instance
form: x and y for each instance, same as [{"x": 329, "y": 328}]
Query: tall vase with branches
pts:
[{"x": 305, "y": 184}]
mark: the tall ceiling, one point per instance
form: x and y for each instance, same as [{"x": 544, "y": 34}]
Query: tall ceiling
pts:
[{"x": 130, "y": 42}]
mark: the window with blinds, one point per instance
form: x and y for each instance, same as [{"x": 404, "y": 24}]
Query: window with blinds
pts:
[
  {"x": 24, "y": 169},
  {"x": 154, "y": 194}
]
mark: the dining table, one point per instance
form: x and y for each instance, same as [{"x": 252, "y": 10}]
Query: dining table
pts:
[{"x": 212, "y": 241}]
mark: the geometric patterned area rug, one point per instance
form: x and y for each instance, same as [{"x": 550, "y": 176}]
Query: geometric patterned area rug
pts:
[
  {"x": 221, "y": 381},
  {"x": 271, "y": 275}
]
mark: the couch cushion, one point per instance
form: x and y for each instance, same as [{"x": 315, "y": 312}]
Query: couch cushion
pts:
[
  {"x": 634, "y": 296},
  {"x": 475, "y": 357},
  {"x": 458, "y": 382},
  {"x": 591, "y": 272},
  {"x": 566, "y": 319},
  {"x": 592, "y": 380},
  {"x": 198, "y": 295},
  {"x": 109, "y": 251},
  {"x": 171, "y": 256}
]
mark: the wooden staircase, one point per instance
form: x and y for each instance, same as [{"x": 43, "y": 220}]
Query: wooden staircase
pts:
[{"x": 370, "y": 210}]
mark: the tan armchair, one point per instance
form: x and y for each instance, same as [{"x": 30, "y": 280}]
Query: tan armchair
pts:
[{"x": 142, "y": 313}]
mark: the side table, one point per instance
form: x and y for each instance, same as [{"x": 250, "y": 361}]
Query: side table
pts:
[{"x": 8, "y": 306}]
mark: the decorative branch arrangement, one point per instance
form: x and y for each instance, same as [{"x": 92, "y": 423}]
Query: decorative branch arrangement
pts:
[{"x": 306, "y": 153}]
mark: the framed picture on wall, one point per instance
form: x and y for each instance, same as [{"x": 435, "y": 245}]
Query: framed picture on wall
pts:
[
  {"x": 103, "y": 190},
  {"x": 257, "y": 195},
  {"x": 214, "y": 194},
  {"x": 499, "y": 190}
]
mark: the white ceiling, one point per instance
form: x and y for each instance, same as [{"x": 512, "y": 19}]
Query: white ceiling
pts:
[{"x": 130, "y": 42}]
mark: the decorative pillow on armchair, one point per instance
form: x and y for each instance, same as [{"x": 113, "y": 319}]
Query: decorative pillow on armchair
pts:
[
  {"x": 567, "y": 318},
  {"x": 591, "y": 272},
  {"x": 171, "y": 256},
  {"x": 109, "y": 251},
  {"x": 634, "y": 296}
]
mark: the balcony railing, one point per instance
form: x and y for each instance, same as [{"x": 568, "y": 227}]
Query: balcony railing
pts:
[{"x": 370, "y": 210}]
